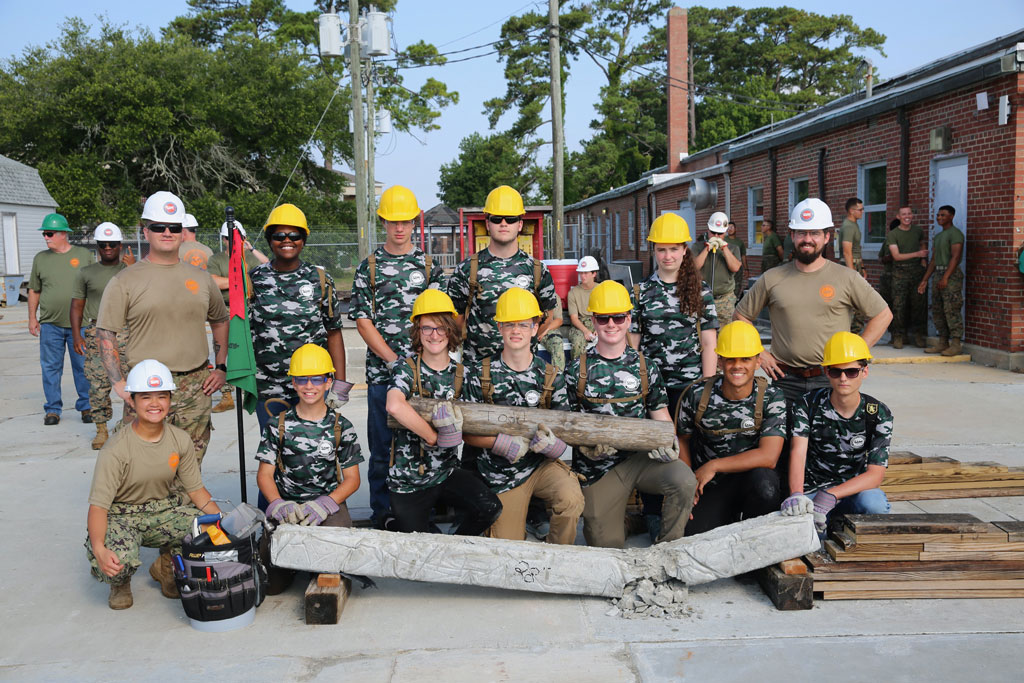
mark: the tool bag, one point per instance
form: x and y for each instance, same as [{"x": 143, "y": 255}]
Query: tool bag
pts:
[{"x": 220, "y": 582}]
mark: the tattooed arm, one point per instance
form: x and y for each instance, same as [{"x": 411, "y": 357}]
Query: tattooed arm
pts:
[{"x": 111, "y": 360}]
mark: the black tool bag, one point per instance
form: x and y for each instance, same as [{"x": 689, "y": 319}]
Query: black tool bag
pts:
[{"x": 219, "y": 582}]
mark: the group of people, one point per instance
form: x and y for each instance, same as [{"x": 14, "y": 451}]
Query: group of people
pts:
[{"x": 661, "y": 351}]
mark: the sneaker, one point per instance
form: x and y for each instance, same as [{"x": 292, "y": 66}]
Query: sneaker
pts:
[{"x": 51, "y": 419}]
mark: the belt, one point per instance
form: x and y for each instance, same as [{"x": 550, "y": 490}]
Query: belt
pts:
[
  {"x": 806, "y": 373},
  {"x": 204, "y": 366}
]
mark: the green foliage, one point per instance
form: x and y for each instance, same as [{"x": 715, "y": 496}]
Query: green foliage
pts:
[{"x": 483, "y": 164}]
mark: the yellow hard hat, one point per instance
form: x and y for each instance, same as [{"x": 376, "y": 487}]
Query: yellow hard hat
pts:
[
  {"x": 504, "y": 201},
  {"x": 738, "y": 339},
  {"x": 398, "y": 204},
  {"x": 845, "y": 347},
  {"x": 309, "y": 360},
  {"x": 669, "y": 228},
  {"x": 516, "y": 304},
  {"x": 432, "y": 301},
  {"x": 609, "y": 297},
  {"x": 288, "y": 214}
]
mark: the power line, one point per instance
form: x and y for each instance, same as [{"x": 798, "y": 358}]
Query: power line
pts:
[{"x": 483, "y": 28}]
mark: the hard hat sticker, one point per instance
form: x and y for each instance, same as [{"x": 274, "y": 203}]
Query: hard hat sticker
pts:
[
  {"x": 107, "y": 232},
  {"x": 170, "y": 208},
  {"x": 155, "y": 381},
  {"x": 806, "y": 215}
]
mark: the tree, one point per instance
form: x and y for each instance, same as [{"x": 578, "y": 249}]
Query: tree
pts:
[{"x": 483, "y": 164}]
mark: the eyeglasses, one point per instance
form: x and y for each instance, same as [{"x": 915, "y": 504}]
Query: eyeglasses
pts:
[
  {"x": 315, "y": 380},
  {"x": 158, "y": 228},
  {"x": 282, "y": 236},
  {"x": 511, "y": 220},
  {"x": 518, "y": 325},
  {"x": 618, "y": 319},
  {"x": 108, "y": 245},
  {"x": 836, "y": 373},
  {"x": 427, "y": 330},
  {"x": 49, "y": 233}
]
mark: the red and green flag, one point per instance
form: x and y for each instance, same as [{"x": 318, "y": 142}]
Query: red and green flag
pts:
[{"x": 241, "y": 358}]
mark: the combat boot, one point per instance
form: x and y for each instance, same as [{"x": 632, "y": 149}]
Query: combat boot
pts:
[
  {"x": 939, "y": 347},
  {"x": 897, "y": 341},
  {"x": 120, "y": 595},
  {"x": 226, "y": 403},
  {"x": 954, "y": 348},
  {"x": 101, "y": 436},
  {"x": 920, "y": 340},
  {"x": 161, "y": 571}
]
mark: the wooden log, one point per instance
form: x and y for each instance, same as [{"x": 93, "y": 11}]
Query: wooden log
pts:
[
  {"x": 922, "y": 523},
  {"x": 907, "y": 595},
  {"x": 787, "y": 592},
  {"x": 576, "y": 429},
  {"x": 991, "y": 492},
  {"x": 325, "y": 603}
]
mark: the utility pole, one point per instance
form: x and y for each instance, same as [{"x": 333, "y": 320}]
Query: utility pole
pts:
[
  {"x": 359, "y": 151},
  {"x": 371, "y": 183},
  {"x": 557, "y": 143}
]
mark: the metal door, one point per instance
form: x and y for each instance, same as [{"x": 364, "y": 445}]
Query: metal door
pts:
[
  {"x": 12, "y": 264},
  {"x": 949, "y": 186}
]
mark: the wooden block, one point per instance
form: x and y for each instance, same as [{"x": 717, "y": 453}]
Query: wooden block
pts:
[
  {"x": 787, "y": 591},
  {"x": 905, "y": 595},
  {"x": 916, "y": 586},
  {"x": 325, "y": 580},
  {"x": 910, "y": 575},
  {"x": 973, "y": 547},
  {"x": 952, "y": 523},
  {"x": 962, "y": 477},
  {"x": 877, "y": 553},
  {"x": 324, "y": 604},
  {"x": 793, "y": 567},
  {"x": 953, "y": 493},
  {"x": 988, "y": 483},
  {"x": 993, "y": 535},
  {"x": 826, "y": 567},
  {"x": 1014, "y": 530},
  {"x": 968, "y": 555},
  {"x": 844, "y": 540},
  {"x": 903, "y": 458}
]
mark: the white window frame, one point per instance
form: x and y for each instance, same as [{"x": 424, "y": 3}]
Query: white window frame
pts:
[
  {"x": 630, "y": 230},
  {"x": 754, "y": 219},
  {"x": 793, "y": 200},
  {"x": 870, "y": 248},
  {"x": 644, "y": 228}
]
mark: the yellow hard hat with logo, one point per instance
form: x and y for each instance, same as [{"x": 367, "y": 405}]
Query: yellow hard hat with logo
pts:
[
  {"x": 504, "y": 201},
  {"x": 432, "y": 301},
  {"x": 398, "y": 204},
  {"x": 516, "y": 304},
  {"x": 609, "y": 297},
  {"x": 289, "y": 215},
  {"x": 669, "y": 228},
  {"x": 739, "y": 339},
  {"x": 845, "y": 347},
  {"x": 309, "y": 360}
]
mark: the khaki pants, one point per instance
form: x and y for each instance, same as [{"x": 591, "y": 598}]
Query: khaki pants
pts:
[
  {"x": 559, "y": 488},
  {"x": 604, "y": 510}
]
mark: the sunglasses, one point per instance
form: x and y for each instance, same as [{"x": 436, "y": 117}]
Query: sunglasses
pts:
[
  {"x": 158, "y": 228},
  {"x": 605, "y": 319},
  {"x": 518, "y": 325},
  {"x": 315, "y": 380},
  {"x": 49, "y": 233},
  {"x": 282, "y": 236},
  {"x": 427, "y": 330},
  {"x": 836, "y": 373},
  {"x": 511, "y": 220},
  {"x": 108, "y": 245}
]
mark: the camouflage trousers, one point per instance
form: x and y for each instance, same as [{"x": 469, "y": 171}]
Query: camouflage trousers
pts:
[
  {"x": 129, "y": 527},
  {"x": 946, "y": 305},
  {"x": 190, "y": 408},
  {"x": 909, "y": 309},
  {"x": 555, "y": 345},
  {"x": 99, "y": 382},
  {"x": 725, "y": 305},
  {"x": 578, "y": 341}
]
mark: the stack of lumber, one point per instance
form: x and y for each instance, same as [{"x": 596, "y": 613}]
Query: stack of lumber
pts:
[
  {"x": 920, "y": 556},
  {"x": 911, "y": 477}
]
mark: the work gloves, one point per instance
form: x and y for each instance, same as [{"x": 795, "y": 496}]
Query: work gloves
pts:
[
  {"x": 510, "y": 447},
  {"x": 717, "y": 243},
  {"x": 447, "y": 420},
  {"x": 338, "y": 395},
  {"x": 665, "y": 454},
  {"x": 797, "y": 504},
  {"x": 285, "y": 511},
  {"x": 318, "y": 509},
  {"x": 599, "y": 452},
  {"x": 823, "y": 504},
  {"x": 546, "y": 443}
]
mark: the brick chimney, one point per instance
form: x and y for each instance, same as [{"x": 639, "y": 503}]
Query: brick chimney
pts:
[{"x": 678, "y": 106}]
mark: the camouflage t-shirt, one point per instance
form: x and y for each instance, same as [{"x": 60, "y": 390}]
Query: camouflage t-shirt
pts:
[
  {"x": 494, "y": 275},
  {"x": 669, "y": 338},
  {"x": 397, "y": 283},
  {"x": 837, "y": 448},
  {"x": 308, "y": 454},
  {"x": 722, "y": 414},
  {"x": 418, "y": 466},
  {"x": 512, "y": 388},
  {"x": 287, "y": 312},
  {"x": 613, "y": 378}
]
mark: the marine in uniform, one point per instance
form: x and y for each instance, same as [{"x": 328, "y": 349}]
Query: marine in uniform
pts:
[
  {"x": 718, "y": 262},
  {"x": 581, "y": 333},
  {"x": 849, "y": 245},
  {"x": 947, "y": 284},
  {"x": 744, "y": 271},
  {"x": 908, "y": 246},
  {"x": 771, "y": 246}
]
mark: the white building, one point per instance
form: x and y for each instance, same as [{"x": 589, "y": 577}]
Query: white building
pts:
[{"x": 24, "y": 201}]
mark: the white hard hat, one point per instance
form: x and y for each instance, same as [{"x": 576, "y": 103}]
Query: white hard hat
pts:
[
  {"x": 718, "y": 222},
  {"x": 149, "y": 375},
  {"x": 224, "y": 229},
  {"x": 811, "y": 214},
  {"x": 588, "y": 264},
  {"x": 163, "y": 207},
  {"x": 189, "y": 221},
  {"x": 107, "y": 232}
]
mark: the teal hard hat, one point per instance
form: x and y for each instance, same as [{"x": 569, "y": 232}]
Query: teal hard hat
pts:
[{"x": 54, "y": 221}]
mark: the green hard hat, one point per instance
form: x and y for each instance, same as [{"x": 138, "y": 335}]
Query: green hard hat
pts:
[{"x": 54, "y": 221}]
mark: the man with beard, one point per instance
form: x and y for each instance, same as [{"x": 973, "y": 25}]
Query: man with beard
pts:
[{"x": 810, "y": 299}]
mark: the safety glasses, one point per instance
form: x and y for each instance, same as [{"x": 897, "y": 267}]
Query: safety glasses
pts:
[
  {"x": 618, "y": 319},
  {"x": 511, "y": 220},
  {"x": 158, "y": 228},
  {"x": 315, "y": 380},
  {"x": 518, "y": 325},
  {"x": 48, "y": 233},
  {"x": 282, "y": 236},
  {"x": 836, "y": 373},
  {"x": 108, "y": 245},
  {"x": 427, "y": 330}
]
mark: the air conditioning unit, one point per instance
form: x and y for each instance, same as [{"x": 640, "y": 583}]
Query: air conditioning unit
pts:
[{"x": 703, "y": 194}]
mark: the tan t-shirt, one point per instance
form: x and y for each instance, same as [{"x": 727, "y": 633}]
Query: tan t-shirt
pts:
[
  {"x": 53, "y": 276},
  {"x": 89, "y": 286},
  {"x": 131, "y": 470},
  {"x": 166, "y": 308},
  {"x": 195, "y": 254},
  {"x": 578, "y": 300},
  {"x": 808, "y": 308}
]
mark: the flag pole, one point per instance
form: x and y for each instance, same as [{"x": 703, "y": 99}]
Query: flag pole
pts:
[{"x": 229, "y": 213}]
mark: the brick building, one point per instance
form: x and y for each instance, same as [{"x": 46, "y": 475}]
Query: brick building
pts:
[{"x": 946, "y": 133}]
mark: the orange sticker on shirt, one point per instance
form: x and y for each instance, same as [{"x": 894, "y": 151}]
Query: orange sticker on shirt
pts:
[
  {"x": 827, "y": 292},
  {"x": 74, "y": 262},
  {"x": 192, "y": 286},
  {"x": 195, "y": 257},
  {"x": 172, "y": 460}
]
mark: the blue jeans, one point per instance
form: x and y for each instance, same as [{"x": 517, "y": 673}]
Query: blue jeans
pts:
[
  {"x": 379, "y": 435},
  {"x": 52, "y": 341},
  {"x": 869, "y": 502}
]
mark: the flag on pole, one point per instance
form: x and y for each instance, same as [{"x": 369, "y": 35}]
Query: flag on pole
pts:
[{"x": 241, "y": 358}]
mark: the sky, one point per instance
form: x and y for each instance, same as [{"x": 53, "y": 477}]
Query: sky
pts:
[{"x": 917, "y": 32}]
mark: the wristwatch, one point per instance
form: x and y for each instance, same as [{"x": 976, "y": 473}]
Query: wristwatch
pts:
[{"x": 222, "y": 367}]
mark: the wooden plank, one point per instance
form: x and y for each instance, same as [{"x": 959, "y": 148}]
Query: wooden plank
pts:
[
  {"x": 911, "y": 575},
  {"x": 968, "y": 555},
  {"x": 906, "y": 595},
  {"x": 973, "y": 547},
  {"x": 930, "y": 585},
  {"x": 1014, "y": 530},
  {"x": 965, "y": 477},
  {"x": 324, "y": 604},
  {"x": 954, "y": 493},
  {"x": 903, "y": 458},
  {"x": 787, "y": 591},
  {"x": 844, "y": 540},
  {"x": 948, "y": 523},
  {"x": 793, "y": 567},
  {"x": 987, "y": 483},
  {"x": 996, "y": 535},
  {"x": 825, "y": 566},
  {"x": 947, "y": 469},
  {"x": 870, "y": 552}
]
